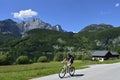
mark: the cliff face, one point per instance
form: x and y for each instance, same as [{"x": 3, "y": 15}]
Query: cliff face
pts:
[
  {"x": 12, "y": 27},
  {"x": 36, "y": 23}
]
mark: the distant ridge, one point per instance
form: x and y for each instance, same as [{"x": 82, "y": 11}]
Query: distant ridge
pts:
[{"x": 96, "y": 27}]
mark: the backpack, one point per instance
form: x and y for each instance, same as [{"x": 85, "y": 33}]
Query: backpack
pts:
[{"x": 70, "y": 56}]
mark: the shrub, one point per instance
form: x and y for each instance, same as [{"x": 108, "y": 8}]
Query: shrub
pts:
[
  {"x": 30, "y": 61},
  {"x": 86, "y": 57},
  {"x": 58, "y": 57},
  {"x": 22, "y": 60},
  {"x": 4, "y": 60},
  {"x": 78, "y": 57},
  {"x": 42, "y": 59}
]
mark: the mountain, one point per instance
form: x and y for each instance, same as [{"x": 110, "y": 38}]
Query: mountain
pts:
[
  {"x": 94, "y": 36},
  {"x": 58, "y": 28},
  {"x": 9, "y": 26},
  {"x": 36, "y": 23},
  {"x": 96, "y": 27},
  {"x": 49, "y": 40},
  {"x": 100, "y": 36}
]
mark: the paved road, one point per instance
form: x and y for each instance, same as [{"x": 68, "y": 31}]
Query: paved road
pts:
[{"x": 94, "y": 72}]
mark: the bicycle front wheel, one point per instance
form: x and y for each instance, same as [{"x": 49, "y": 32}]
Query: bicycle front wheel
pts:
[
  {"x": 62, "y": 72},
  {"x": 71, "y": 71}
]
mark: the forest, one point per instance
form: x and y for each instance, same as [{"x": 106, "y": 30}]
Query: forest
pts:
[{"x": 42, "y": 45}]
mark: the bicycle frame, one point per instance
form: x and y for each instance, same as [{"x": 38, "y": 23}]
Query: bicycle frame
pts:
[
  {"x": 66, "y": 69},
  {"x": 65, "y": 66}
]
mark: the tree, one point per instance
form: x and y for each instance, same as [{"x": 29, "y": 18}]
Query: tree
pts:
[
  {"x": 42, "y": 59},
  {"x": 4, "y": 60},
  {"x": 22, "y": 60},
  {"x": 58, "y": 57}
]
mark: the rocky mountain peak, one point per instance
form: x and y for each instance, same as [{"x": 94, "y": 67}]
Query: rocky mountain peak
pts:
[
  {"x": 57, "y": 28},
  {"x": 10, "y": 26},
  {"x": 7, "y": 21},
  {"x": 37, "y": 23}
]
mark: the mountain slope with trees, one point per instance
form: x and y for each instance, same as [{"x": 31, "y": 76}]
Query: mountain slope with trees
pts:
[
  {"x": 106, "y": 38},
  {"x": 53, "y": 44},
  {"x": 42, "y": 42}
]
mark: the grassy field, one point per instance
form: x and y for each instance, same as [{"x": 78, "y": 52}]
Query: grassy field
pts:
[{"x": 25, "y": 72}]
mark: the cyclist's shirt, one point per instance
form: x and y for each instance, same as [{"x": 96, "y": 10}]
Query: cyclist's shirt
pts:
[{"x": 70, "y": 57}]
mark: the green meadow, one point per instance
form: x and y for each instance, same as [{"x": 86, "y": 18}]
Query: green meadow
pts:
[{"x": 26, "y": 72}]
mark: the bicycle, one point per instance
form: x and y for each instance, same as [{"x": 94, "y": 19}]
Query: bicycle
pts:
[{"x": 65, "y": 69}]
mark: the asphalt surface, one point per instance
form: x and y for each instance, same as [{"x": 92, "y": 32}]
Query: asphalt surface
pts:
[{"x": 94, "y": 72}]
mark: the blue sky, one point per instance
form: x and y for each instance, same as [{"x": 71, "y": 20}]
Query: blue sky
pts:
[{"x": 72, "y": 15}]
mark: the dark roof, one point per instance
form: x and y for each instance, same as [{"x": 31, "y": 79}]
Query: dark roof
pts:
[
  {"x": 99, "y": 53},
  {"x": 114, "y": 53},
  {"x": 103, "y": 53}
]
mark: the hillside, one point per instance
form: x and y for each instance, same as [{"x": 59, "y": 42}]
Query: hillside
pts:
[
  {"x": 39, "y": 42},
  {"x": 96, "y": 27},
  {"x": 102, "y": 38},
  {"x": 45, "y": 42}
]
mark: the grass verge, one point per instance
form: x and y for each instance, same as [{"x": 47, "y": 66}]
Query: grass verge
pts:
[{"x": 25, "y": 72}]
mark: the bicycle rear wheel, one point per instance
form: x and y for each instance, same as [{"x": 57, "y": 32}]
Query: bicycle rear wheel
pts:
[
  {"x": 71, "y": 71},
  {"x": 62, "y": 72}
]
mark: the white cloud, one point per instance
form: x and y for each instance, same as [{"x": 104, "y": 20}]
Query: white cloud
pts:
[
  {"x": 24, "y": 14},
  {"x": 117, "y": 4}
]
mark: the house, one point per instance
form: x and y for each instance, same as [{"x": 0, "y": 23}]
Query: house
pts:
[
  {"x": 115, "y": 55},
  {"x": 104, "y": 55}
]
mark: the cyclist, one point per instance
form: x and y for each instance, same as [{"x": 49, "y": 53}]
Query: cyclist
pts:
[
  {"x": 69, "y": 58},
  {"x": 67, "y": 68}
]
